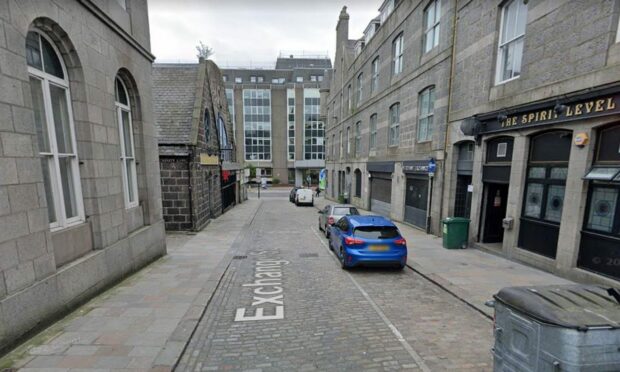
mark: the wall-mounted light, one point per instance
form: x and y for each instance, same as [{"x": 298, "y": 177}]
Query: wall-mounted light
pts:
[
  {"x": 559, "y": 108},
  {"x": 501, "y": 117}
]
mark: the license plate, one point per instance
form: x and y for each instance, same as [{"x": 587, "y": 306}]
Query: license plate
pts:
[{"x": 379, "y": 248}]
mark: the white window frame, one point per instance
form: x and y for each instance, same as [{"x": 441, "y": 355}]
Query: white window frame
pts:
[
  {"x": 394, "y": 126},
  {"x": 260, "y": 79},
  {"x": 47, "y": 79},
  {"x": 252, "y": 79},
  {"x": 299, "y": 79},
  {"x": 431, "y": 28},
  {"x": 348, "y": 140},
  {"x": 398, "y": 48},
  {"x": 506, "y": 44},
  {"x": 502, "y": 149},
  {"x": 429, "y": 116},
  {"x": 374, "y": 79},
  {"x": 372, "y": 143},
  {"x": 238, "y": 80},
  {"x": 120, "y": 108}
]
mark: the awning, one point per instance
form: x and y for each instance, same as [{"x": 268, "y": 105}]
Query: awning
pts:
[{"x": 603, "y": 174}]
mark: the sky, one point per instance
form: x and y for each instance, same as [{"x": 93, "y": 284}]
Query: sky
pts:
[{"x": 251, "y": 33}]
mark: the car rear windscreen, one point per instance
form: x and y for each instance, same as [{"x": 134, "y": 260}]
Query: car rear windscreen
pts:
[
  {"x": 343, "y": 211},
  {"x": 376, "y": 232}
]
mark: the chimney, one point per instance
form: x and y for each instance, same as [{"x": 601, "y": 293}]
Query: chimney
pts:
[{"x": 342, "y": 28}]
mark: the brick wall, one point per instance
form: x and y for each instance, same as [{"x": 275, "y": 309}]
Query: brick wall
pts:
[{"x": 175, "y": 193}]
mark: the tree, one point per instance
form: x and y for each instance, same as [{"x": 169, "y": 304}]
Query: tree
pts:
[{"x": 203, "y": 50}]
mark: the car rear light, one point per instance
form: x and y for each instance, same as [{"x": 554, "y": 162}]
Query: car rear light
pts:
[
  {"x": 353, "y": 241},
  {"x": 400, "y": 241},
  {"x": 330, "y": 220}
]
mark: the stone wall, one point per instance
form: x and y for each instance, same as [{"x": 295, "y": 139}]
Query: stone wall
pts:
[
  {"x": 175, "y": 193},
  {"x": 44, "y": 273}
]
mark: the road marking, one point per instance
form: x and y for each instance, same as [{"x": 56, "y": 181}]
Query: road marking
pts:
[{"x": 416, "y": 357}]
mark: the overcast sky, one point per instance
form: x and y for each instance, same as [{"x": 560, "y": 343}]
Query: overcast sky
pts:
[{"x": 251, "y": 32}]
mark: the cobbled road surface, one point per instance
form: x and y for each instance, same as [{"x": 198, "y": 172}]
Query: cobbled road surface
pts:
[{"x": 331, "y": 320}]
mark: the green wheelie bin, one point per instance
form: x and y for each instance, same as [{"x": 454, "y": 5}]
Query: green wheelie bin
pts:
[{"x": 455, "y": 232}]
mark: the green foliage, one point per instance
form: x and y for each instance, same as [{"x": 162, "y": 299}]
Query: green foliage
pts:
[
  {"x": 275, "y": 181},
  {"x": 341, "y": 199},
  {"x": 252, "y": 170}
]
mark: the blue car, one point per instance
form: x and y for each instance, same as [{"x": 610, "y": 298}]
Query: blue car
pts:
[{"x": 368, "y": 240}]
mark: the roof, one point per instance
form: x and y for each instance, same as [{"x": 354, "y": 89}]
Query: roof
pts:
[
  {"x": 174, "y": 94},
  {"x": 357, "y": 221},
  {"x": 293, "y": 63},
  {"x": 570, "y": 306}
]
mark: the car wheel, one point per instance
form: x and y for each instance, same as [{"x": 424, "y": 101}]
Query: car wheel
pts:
[
  {"x": 342, "y": 257},
  {"x": 326, "y": 232},
  {"x": 402, "y": 266},
  {"x": 320, "y": 228}
]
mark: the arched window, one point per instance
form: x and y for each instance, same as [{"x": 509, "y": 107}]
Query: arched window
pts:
[
  {"x": 51, "y": 100},
  {"x": 128, "y": 152}
]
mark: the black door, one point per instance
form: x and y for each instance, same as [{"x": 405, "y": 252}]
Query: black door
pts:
[
  {"x": 416, "y": 200},
  {"x": 462, "y": 197},
  {"x": 496, "y": 202}
]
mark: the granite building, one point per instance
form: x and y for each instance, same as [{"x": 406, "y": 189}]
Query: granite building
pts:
[
  {"x": 511, "y": 107},
  {"x": 80, "y": 204},
  {"x": 386, "y": 107},
  {"x": 276, "y": 117},
  {"x": 199, "y": 175},
  {"x": 535, "y": 133}
]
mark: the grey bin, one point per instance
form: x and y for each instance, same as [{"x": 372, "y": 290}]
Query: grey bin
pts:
[{"x": 557, "y": 328}]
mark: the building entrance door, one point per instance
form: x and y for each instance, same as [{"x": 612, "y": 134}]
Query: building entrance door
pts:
[
  {"x": 496, "y": 197},
  {"x": 416, "y": 200}
]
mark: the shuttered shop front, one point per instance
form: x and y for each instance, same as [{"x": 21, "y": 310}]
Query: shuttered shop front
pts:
[{"x": 381, "y": 187}]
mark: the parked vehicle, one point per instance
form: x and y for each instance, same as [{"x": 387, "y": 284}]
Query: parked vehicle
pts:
[
  {"x": 291, "y": 196},
  {"x": 368, "y": 240},
  {"x": 304, "y": 196},
  {"x": 332, "y": 214}
]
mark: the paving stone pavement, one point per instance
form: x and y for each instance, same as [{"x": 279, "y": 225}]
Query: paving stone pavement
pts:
[
  {"x": 144, "y": 322},
  {"x": 368, "y": 319}
]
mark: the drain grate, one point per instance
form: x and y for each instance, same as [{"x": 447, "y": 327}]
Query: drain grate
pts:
[
  {"x": 239, "y": 257},
  {"x": 306, "y": 255}
]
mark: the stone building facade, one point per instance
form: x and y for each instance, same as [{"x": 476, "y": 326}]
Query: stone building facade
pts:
[
  {"x": 199, "y": 174},
  {"x": 75, "y": 98},
  {"x": 539, "y": 134},
  {"x": 276, "y": 115},
  {"x": 386, "y": 106},
  {"x": 526, "y": 133}
]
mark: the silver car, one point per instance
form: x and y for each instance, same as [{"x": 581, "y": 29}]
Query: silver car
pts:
[{"x": 332, "y": 213}]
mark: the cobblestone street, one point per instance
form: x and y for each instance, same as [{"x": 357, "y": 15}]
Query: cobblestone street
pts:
[{"x": 332, "y": 320}]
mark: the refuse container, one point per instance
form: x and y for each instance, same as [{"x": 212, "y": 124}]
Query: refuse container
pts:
[
  {"x": 455, "y": 232},
  {"x": 557, "y": 328}
]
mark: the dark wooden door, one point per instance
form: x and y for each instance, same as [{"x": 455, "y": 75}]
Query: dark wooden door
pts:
[{"x": 496, "y": 202}]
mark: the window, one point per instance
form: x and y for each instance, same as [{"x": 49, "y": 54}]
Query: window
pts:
[
  {"x": 260, "y": 79},
  {"x": 257, "y": 124},
  {"x": 230, "y": 98},
  {"x": 512, "y": 33},
  {"x": 348, "y": 140},
  {"x": 394, "y": 135},
  {"x": 341, "y": 146},
  {"x": 373, "y": 131},
  {"x": 358, "y": 138},
  {"x": 316, "y": 78},
  {"x": 314, "y": 129},
  {"x": 374, "y": 80},
  {"x": 290, "y": 97},
  {"x": 358, "y": 184},
  {"x": 224, "y": 78},
  {"x": 333, "y": 152},
  {"x": 397, "y": 55},
  {"x": 349, "y": 99},
  {"x": 300, "y": 79},
  {"x": 238, "y": 80},
  {"x": 425, "y": 118},
  {"x": 432, "y": 14},
  {"x": 360, "y": 88},
  {"x": 49, "y": 87},
  {"x": 502, "y": 149},
  {"x": 128, "y": 158},
  {"x": 252, "y": 79}
]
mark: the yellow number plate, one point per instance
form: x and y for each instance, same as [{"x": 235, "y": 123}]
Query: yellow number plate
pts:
[{"x": 379, "y": 248}]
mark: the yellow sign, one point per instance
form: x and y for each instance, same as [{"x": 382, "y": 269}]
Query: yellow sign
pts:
[
  {"x": 581, "y": 139},
  {"x": 206, "y": 159}
]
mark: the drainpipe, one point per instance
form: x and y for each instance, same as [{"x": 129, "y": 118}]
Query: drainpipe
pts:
[
  {"x": 190, "y": 159},
  {"x": 447, "y": 135}
]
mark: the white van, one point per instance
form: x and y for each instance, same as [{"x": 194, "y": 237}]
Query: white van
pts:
[{"x": 304, "y": 196}]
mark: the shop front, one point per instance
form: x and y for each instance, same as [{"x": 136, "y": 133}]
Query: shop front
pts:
[
  {"x": 416, "y": 193},
  {"x": 550, "y": 181},
  {"x": 599, "y": 249},
  {"x": 381, "y": 187}
]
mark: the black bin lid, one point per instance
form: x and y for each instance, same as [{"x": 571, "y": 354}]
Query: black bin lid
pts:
[{"x": 571, "y": 306}]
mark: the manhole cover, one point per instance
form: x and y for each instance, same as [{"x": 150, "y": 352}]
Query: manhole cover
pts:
[
  {"x": 239, "y": 257},
  {"x": 305, "y": 255}
]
